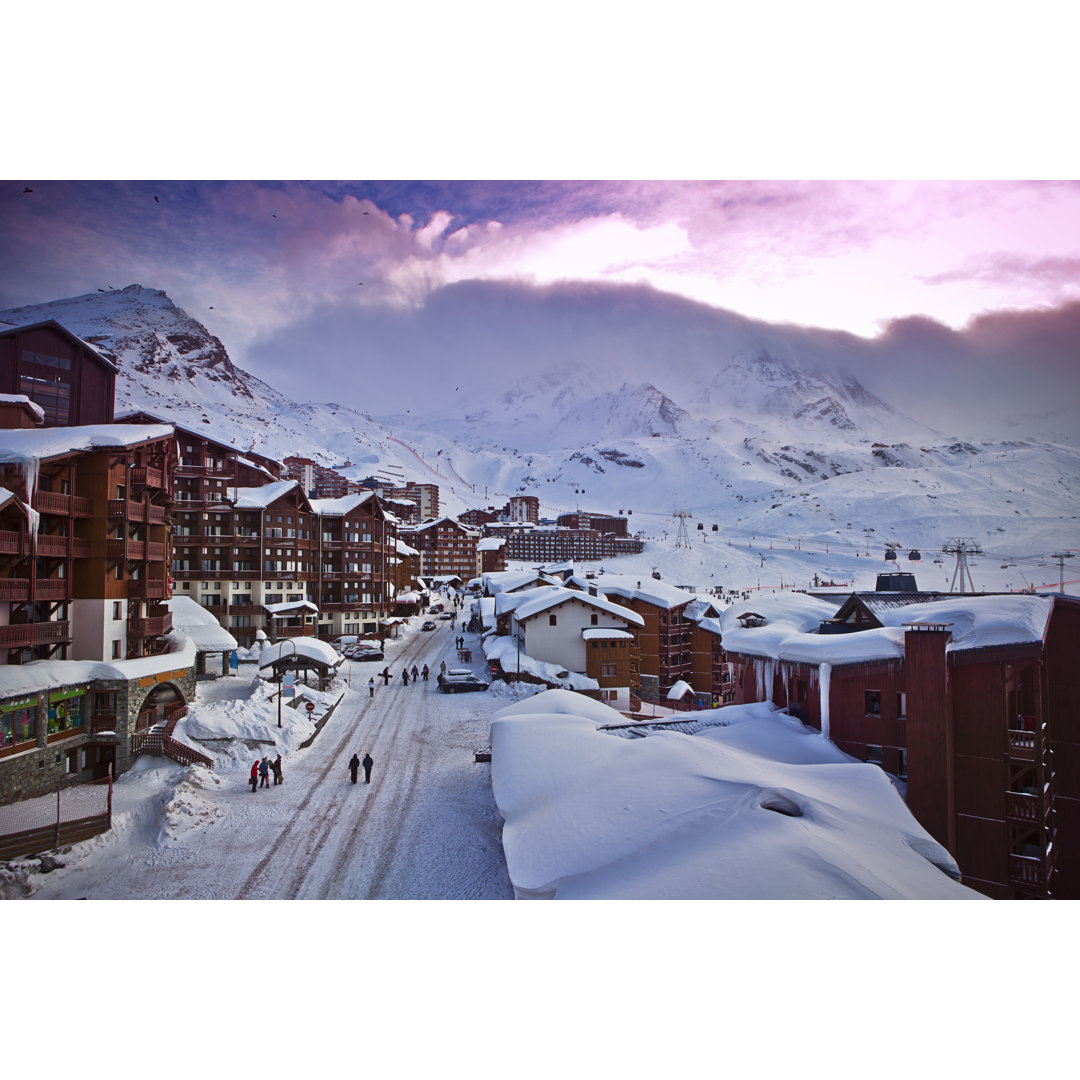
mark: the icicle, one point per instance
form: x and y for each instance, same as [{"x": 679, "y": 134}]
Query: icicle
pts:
[
  {"x": 824, "y": 676},
  {"x": 30, "y": 471}
]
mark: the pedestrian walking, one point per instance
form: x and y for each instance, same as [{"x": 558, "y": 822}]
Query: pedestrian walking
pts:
[
  {"x": 386, "y": 676},
  {"x": 415, "y": 673},
  {"x": 367, "y": 768},
  {"x": 276, "y": 766},
  {"x": 254, "y": 778},
  {"x": 425, "y": 672},
  {"x": 404, "y": 676},
  {"x": 264, "y": 773},
  {"x": 371, "y": 688},
  {"x": 442, "y": 667},
  {"x": 354, "y": 767}
]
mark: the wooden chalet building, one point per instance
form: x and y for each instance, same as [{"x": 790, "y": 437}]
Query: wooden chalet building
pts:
[
  {"x": 84, "y": 555},
  {"x": 972, "y": 701},
  {"x": 67, "y": 377},
  {"x": 447, "y": 548},
  {"x": 665, "y": 638},
  {"x": 357, "y": 549}
]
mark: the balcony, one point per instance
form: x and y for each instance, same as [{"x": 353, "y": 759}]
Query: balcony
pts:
[
  {"x": 30, "y": 634},
  {"x": 1028, "y": 807},
  {"x": 146, "y": 589},
  {"x": 126, "y": 550},
  {"x": 1029, "y": 745},
  {"x": 137, "y": 511},
  {"x": 1030, "y": 871},
  {"x": 12, "y": 543},
  {"x": 151, "y": 627},
  {"x": 146, "y": 477},
  {"x": 216, "y": 609},
  {"x": 52, "y": 502}
]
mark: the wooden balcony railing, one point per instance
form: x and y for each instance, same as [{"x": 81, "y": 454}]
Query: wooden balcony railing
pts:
[
  {"x": 1032, "y": 872},
  {"x": 294, "y": 631},
  {"x": 126, "y": 550},
  {"x": 13, "y": 543},
  {"x": 14, "y": 589},
  {"x": 1020, "y": 806},
  {"x": 30, "y": 634},
  {"x": 52, "y": 502},
  {"x": 1028, "y": 745},
  {"x": 146, "y": 589},
  {"x": 150, "y": 627},
  {"x": 147, "y": 477}
]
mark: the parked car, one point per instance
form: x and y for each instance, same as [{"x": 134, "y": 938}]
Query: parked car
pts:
[
  {"x": 436, "y": 608},
  {"x": 447, "y": 615},
  {"x": 362, "y": 652},
  {"x": 429, "y": 625},
  {"x": 459, "y": 680},
  {"x": 343, "y": 642}
]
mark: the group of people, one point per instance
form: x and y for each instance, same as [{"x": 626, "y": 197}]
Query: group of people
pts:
[
  {"x": 261, "y": 770},
  {"x": 416, "y": 674},
  {"x": 354, "y": 767}
]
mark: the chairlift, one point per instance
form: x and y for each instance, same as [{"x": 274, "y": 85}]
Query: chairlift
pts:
[
  {"x": 914, "y": 555},
  {"x": 715, "y": 528},
  {"x": 890, "y": 555},
  {"x": 700, "y": 526}
]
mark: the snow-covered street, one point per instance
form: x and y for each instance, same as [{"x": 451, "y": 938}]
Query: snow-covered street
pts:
[{"x": 426, "y": 827}]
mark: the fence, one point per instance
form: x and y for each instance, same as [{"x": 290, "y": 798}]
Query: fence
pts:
[{"x": 74, "y": 813}]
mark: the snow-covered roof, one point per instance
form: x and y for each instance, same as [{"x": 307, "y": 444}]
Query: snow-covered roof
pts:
[
  {"x": 192, "y": 619},
  {"x": 289, "y": 607},
  {"x": 975, "y": 622},
  {"x": 403, "y": 548},
  {"x": 39, "y": 444},
  {"x": 259, "y": 498},
  {"x": 605, "y": 633},
  {"x": 491, "y": 543},
  {"x": 701, "y": 607},
  {"x": 22, "y": 399},
  {"x": 342, "y": 505},
  {"x": 786, "y": 613},
  {"x": 759, "y": 808},
  {"x": 679, "y": 690},
  {"x": 499, "y": 581},
  {"x": 504, "y": 649},
  {"x": 18, "y": 679},
  {"x": 301, "y": 646},
  {"x": 534, "y": 602},
  {"x": 648, "y": 589},
  {"x": 979, "y": 622}
]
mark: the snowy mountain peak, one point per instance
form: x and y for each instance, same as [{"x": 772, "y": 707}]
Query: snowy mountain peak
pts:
[{"x": 142, "y": 331}]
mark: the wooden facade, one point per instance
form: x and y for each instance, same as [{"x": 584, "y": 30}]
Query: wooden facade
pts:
[
  {"x": 987, "y": 740},
  {"x": 71, "y": 381}
]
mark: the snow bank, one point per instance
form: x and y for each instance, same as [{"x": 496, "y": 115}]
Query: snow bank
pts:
[{"x": 761, "y": 809}]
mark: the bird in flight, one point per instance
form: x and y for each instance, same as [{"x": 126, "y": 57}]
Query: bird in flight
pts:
[
  {"x": 155, "y": 198},
  {"x": 27, "y": 190}
]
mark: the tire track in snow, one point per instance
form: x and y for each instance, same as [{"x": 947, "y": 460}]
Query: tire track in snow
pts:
[{"x": 314, "y": 840}]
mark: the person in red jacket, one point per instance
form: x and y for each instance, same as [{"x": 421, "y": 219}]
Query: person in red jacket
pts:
[{"x": 254, "y": 779}]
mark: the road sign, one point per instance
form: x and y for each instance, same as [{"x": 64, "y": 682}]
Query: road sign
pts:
[{"x": 310, "y": 706}]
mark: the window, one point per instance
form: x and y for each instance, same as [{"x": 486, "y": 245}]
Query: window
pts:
[
  {"x": 552, "y": 620},
  {"x": 607, "y": 671},
  {"x": 873, "y": 755},
  {"x": 873, "y": 704},
  {"x": 117, "y": 610},
  {"x": 901, "y": 770},
  {"x": 901, "y": 704},
  {"x": 116, "y": 650},
  {"x": 594, "y": 619}
]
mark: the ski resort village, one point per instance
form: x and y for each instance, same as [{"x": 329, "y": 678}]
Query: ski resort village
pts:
[{"x": 252, "y": 648}]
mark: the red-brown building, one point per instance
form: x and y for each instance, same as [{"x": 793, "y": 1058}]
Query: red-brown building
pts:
[
  {"x": 66, "y": 376},
  {"x": 973, "y": 701}
]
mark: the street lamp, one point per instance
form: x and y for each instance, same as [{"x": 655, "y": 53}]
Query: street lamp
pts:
[{"x": 281, "y": 689}]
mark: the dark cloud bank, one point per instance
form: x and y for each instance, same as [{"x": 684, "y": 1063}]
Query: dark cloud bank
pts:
[{"x": 1007, "y": 374}]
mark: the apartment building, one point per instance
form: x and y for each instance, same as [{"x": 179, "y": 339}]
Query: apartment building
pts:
[{"x": 447, "y": 548}]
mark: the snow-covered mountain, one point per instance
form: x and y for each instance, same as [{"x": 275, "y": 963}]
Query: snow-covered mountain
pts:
[{"x": 759, "y": 446}]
